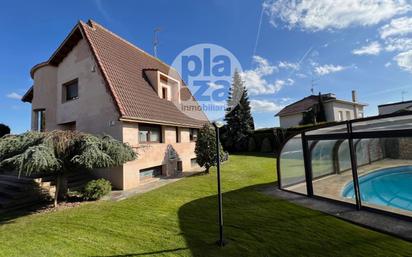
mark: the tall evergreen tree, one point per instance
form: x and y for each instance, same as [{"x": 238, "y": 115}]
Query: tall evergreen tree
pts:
[{"x": 239, "y": 120}]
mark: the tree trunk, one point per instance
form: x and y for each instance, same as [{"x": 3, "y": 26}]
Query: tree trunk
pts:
[
  {"x": 207, "y": 169},
  {"x": 61, "y": 188}
]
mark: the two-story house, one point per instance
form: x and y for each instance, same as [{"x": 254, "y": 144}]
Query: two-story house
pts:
[
  {"x": 335, "y": 109},
  {"x": 97, "y": 82}
]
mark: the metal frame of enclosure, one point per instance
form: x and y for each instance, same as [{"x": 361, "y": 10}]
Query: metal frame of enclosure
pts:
[{"x": 327, "y": 161}]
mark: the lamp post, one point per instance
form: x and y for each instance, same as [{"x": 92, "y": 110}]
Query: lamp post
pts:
[{"x": 217, "y": 125}]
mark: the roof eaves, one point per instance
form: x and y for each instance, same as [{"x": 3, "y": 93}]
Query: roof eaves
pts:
[
  {"x": 28, "y": 96},
  {"x": 161, "y": 122},
  {"x": 389, "y": 104},
  {"x": 346, "y": 102}
]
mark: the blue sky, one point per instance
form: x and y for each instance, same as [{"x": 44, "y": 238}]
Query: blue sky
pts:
[{"x": 356, "y": 44}]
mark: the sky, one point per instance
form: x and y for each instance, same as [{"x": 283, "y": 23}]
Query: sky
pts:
[{"x": 285, "y": 47}]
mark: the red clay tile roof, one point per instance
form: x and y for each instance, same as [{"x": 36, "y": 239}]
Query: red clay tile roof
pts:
[
  {"x": 302, "y": 105},
  {"x": 122, "y": 65}
]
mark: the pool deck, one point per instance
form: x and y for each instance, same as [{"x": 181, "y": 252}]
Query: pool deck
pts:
[
  {"x": 379, "y": 222},
  {"x": 331, "y": 186}
]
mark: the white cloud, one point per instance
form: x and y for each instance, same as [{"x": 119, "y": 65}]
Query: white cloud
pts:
[
  {"x": 255, "y": 80},
  {"x": 14, "y": 95},
  {"x": 288, "y": 65},
  {"x": 398, "y": 44},
  {"x": 328, "y": 68},
  {"x": 285, "y": 99},
  {"x": 301, "y": 75},
  {"x": 404, "y": 60},
  {"x": 265, "y": 106},
  {"x": 373, "y": 48},
  {"x": 388, "y": 64},
  {"x": 397, "y": 27},
  {"x": 315, "y": 15},
  {"x": 263, "y": 66}
]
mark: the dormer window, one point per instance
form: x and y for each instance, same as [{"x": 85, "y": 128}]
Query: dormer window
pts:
[
  {"x": 168, "y": 88},
  {"x": 165, "y": 86},
  {"x": 165, "y": 94}
]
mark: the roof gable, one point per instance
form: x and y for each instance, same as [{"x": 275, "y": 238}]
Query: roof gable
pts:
[
  {"x": 299, "y": 106},
  {"x": 122, "y": 66}
]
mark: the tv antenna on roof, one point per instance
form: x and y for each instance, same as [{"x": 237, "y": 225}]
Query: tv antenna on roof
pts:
[
  {"x": 403, "y": 94},
  {"x": 155, "y": 41},
  {"x": 312, "y": 85}
]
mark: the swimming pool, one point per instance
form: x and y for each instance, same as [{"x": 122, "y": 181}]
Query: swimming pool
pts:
[{"x": 388, "y": 187}]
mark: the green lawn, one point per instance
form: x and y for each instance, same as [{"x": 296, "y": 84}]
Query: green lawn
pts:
[{"x": 180, "y": 219}]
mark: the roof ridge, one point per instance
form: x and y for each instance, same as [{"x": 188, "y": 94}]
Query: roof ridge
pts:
[{"x": 93, "y": 23}]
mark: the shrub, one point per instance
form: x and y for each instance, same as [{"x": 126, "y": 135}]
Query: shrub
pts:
[
  {"x": 96, "y": 189},
  {"x": 266, "y": 146},
  {"x": 225, "y": 157},
  {"x": 4, "y": 130},
  {"x": 251, "y": 145},
  {"x": 206, "y": 148}
]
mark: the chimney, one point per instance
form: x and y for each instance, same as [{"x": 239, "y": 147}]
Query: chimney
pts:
[{"x": 354, "y": 96}]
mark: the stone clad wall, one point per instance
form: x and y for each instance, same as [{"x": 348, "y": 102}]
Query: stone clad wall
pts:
[{"x": 398, "y": 148}]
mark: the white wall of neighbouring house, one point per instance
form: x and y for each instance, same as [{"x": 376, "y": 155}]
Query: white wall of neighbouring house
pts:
[
  {"x": 333, "y": 110},
  {"x": 290, "y": 120}
]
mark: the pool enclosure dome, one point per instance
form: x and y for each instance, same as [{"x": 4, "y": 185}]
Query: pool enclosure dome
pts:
[{"x": 325, "y": 161}]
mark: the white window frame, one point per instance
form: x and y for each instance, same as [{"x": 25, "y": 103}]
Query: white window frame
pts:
[
  {"x": 168, "y": 86},
  {"x": 340, "y": 115}
]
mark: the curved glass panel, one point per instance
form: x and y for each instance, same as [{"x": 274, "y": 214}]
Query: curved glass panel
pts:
[
  {"x": 292, "y": 167},
  {"x": 331, "y": 168},
  {"x": 344, "y": 156},
  {"x": 322, "y": 157},
  {"x": 362, "y": 151}
]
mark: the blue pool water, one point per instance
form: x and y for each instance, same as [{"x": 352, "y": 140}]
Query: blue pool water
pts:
[{"x": 389, "y": 187}]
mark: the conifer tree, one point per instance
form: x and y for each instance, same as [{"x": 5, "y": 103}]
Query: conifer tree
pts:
[
  {"x": 206, "y": 148},
  {"x": 239, "y": 120}
]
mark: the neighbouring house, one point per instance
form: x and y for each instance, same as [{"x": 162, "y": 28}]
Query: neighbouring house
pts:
[
  {"x": 335, "y": 109},
  {"x": 97, "y": 82},
  {"x": 395, "y": 107}
]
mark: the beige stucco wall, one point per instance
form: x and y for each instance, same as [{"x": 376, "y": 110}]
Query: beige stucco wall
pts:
[
  {"x": 45, "y": 92},
  {"x": 156, "y": 154},
  {"x": 95, "y": 112}
]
